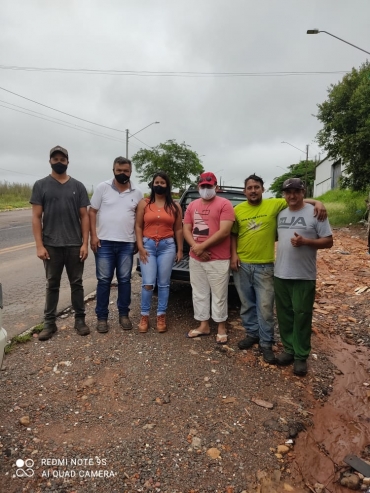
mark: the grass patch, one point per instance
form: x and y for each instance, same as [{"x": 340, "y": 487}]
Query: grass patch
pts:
[
  {"x": 344, "y": 206},
  {"x": 14, "y": 195},
  {"x": 22, "y": 339}
]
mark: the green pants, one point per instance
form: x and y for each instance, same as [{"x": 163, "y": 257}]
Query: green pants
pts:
[{"x": 294, "y": 306}]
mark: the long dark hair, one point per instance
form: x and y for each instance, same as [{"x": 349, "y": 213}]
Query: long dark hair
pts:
[{"x": 169, "y": 204}]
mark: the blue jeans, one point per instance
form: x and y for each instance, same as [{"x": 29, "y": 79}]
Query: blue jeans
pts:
[
  {"x": 255, "y": 285},
  {"x": 113, "y": 256},
  {"x": 157, "y": 271}
]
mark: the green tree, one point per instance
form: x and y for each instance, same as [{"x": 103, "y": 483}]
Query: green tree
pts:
[
  {"x": 300, "y": 170},
  {"x": 177, "y": 160},
  {"x": 346, "y": 132}
]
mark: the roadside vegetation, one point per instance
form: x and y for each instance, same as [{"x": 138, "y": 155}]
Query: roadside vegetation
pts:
[
  {"x": 344, "y": 206},
  {"x": 17, "y": 195},
  {"x": 23, "y": 338},
  {"x": 14, "y": 195}
]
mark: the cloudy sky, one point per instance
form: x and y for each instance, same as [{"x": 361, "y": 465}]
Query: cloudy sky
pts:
[{"x": 236, "y": 123}]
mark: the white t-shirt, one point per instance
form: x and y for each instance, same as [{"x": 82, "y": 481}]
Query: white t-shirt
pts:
[{"x": 116, "y": 211}]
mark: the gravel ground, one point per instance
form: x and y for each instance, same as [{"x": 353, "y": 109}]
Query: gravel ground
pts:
[{"x": 129, "y": 412}]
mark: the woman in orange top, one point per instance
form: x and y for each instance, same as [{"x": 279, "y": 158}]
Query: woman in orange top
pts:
[{"x": 158, "y": 224}]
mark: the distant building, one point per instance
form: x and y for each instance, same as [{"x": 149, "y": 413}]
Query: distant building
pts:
[{"x": 327, "y": 174}]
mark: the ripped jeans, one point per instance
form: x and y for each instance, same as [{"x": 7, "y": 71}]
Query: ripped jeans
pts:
[{"x": 157, "y": 271}]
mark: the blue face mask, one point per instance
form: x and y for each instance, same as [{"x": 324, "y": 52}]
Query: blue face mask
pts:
[{"x": 158, "y": 189}]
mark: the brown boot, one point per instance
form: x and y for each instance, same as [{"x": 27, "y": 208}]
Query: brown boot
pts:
[
  {"x": 144, "y": 324},
  {"x": 161, "y": 323}
]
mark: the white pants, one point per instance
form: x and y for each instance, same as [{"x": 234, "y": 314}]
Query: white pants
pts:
[{"x": 209, "y": 278}]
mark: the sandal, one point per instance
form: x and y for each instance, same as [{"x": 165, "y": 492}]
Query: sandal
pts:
[
  {"x": 196, "y": 333},
  {"x": 221, "y": 338}
]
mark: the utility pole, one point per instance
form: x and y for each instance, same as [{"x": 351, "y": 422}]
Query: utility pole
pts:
[
  {"x": 307, "y": 146},
  {"x": 126, "y": 143},
  {"x": 127, "y": 135}
]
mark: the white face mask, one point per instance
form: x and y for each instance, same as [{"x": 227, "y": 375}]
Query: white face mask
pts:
[{"x": 207, "y": 193}]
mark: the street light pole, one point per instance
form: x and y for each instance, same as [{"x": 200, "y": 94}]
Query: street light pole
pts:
[
  {"x": 127, "y": 135},
  {"x": 126, "y": 143},
  {"x": 283, "y": 142},
  {"x": 317, "y": 31},
  {"x": 305, "y": 180},
  {"x": 301, "y": 150}
]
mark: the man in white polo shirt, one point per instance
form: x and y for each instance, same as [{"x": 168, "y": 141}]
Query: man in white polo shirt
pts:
[{"x": 112, "y": 219}]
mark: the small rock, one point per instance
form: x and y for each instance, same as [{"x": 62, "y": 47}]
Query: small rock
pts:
[
  {"x": 319, "y": 488},
  {"x": 196, "y": 442},
  {"x": 352, "y": 481},
  {"x": 149, "y": 426},
  {"x": 283, "y": 449},
  {"x": 229, "y": 400},
  {"x": 25, "y": 420},
  {"x": 287, "y": 487},
  {"x": 261, "y": 403},
  {"x": 88, "y": 382},
  {"x": 214, "y": 453}
]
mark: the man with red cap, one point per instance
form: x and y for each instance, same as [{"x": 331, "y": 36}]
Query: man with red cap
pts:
[{"x": 207, "y": 226}]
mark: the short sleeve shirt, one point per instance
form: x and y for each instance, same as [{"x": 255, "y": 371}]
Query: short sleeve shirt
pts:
[
  {"x": 298, "y": 262},
  {"x": 116, "y": 211},
  {"x": 158, "y": 222},
  {"x": 61, "y": 204},
  {"x": 205, "y": 218},
  {"x": 255, "y": 226}
]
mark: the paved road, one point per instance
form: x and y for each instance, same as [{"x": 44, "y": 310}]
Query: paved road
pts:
[{"x": 22, "y": 274}]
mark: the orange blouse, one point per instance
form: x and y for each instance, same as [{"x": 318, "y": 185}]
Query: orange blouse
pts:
[{"x": 158, "y": 223}]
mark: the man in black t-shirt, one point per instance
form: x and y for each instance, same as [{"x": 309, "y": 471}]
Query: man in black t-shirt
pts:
[{"x": 60, "y": 225}]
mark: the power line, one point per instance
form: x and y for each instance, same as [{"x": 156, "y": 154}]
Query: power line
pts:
[
  {"x": 19, "y": 172},
  {"x": 67, "y": 124},
  {"x": 72, "y": 126},
  {"x": 63, "y": 124},
  {"x": 58, "y": 120},
  {"x": 59, "y": 111},
  {"x": 149, "y": 73},
  {"x": 150, "y": 147}
]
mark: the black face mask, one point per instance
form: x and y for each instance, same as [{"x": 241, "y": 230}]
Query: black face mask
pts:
[
  {"x": 59, "y": 168},
  {"x": 122, "y": 178},
  {"x": 158, "y": 189}
]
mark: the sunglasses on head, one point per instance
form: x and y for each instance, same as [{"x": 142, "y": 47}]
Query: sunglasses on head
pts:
[{"x": 207, "y": 178}]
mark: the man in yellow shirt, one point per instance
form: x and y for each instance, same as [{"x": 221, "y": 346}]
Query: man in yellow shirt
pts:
[{"x": 252, "y": 260}]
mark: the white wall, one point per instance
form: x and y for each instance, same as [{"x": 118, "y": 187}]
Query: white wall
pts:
[{"x": 324, "y": 177}]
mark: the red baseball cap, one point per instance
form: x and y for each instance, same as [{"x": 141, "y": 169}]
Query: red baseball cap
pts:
[{"x": 207, "y": 178}]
